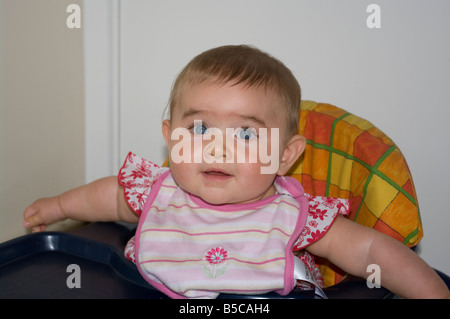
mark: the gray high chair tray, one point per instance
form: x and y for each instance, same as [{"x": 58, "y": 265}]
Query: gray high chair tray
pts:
[{"x": 39, "y": 266}]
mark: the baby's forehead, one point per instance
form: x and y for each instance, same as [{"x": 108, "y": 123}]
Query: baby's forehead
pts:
[
  {"x": 260, "y": 111},
  {"x": 273, "y": 94}
]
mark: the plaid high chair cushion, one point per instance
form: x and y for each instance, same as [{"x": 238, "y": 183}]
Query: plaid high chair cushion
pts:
[{"x": 348, "y": 157}]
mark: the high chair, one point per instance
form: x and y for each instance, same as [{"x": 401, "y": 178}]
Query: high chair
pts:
[{"x": 346, "y": 156}]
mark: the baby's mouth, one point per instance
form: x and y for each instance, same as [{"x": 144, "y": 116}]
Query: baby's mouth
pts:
[{"x": 216, "y": 174}]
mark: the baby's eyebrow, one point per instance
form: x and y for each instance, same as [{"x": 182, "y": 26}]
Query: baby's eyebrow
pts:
[
  {"x": 191, "y": 112},
  {"x": 255, "y": 119}
]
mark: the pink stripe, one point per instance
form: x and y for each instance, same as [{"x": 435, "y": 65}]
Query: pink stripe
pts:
[
  {"x": 184, "y": 205},
  {"x": 231, "y": 290},
  {"x": 198, "y": 207},
  {"x": 257, "y": 263},
  {"x": 169, "y": 186},
  {"x": 290, "y": 204},
  {"x": 216, "y": 233},
  {"x": 169, "y": 260},
  {"x": 289, "y": 266},
  {"x": 189, "y": 260}
]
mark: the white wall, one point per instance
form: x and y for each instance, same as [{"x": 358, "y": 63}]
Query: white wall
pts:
[
  {"x": 41, "y": 107},
  {"x": 397, "y": 76},
  {"x": 101, "y": 67}
]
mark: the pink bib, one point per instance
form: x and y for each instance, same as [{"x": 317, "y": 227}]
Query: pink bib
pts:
[{"x": 188, "y": 248}]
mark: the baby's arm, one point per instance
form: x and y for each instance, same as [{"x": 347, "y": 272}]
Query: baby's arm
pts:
[
  {"x": 353, "y": 247},
  {"x": 101, "y": 200}
]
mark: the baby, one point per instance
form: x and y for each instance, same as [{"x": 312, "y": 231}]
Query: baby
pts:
[{"x": 223, "y": 217}]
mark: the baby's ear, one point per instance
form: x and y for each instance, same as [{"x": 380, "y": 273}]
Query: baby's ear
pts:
[{"x": 292, "y": 151}]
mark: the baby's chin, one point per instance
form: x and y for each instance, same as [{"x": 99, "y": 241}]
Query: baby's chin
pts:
[
  {"x": 215, "y": 200},
  {"x": 219, "y": 199}
]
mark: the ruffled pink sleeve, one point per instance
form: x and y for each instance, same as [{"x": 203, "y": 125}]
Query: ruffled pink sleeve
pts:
[
  {"x": 137, "y": 176},
  {"x": 322, "y": 213}
]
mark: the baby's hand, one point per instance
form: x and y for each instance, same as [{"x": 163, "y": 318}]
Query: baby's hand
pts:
[{"x": 42, "y": 212}]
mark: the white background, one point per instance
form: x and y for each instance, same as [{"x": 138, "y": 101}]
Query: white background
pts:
[{"x": 396, "y": 76}]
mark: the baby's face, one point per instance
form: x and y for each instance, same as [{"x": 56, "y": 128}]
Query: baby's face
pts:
[{"x": 217, "y": 123}]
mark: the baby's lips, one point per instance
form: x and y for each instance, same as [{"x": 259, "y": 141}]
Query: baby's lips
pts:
[{"x": 217, "y": 172}]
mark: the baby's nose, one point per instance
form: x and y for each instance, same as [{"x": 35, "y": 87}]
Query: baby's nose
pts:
[{"x": 218, "y": 150}]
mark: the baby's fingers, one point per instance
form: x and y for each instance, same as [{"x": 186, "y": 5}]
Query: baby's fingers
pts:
[
  {"x": 42, "y": 212},
  {"x": 38, "y": 229},
  {"x": 32, "y": 219}
]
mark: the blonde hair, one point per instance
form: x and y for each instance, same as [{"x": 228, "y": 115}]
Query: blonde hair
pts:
[{"x": 247, "y": 65}]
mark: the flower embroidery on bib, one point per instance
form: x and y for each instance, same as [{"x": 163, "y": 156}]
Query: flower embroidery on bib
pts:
[{"x": 216, "y": 266}]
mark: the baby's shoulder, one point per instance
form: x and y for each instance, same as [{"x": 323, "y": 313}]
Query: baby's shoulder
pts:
[
  {"x": 138, "y": 175},
  {"x": 322, "y": 212}
]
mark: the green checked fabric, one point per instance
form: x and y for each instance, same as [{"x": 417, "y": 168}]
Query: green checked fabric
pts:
[{"x": 347, "y": 157}]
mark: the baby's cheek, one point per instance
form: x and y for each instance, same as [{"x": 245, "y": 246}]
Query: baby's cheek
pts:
[{"x": 181, "y": 173}]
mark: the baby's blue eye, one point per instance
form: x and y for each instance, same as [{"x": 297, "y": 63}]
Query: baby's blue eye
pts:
[
  {"x": 246, "y": 133},
  {"x": 199, "y": 129}
]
